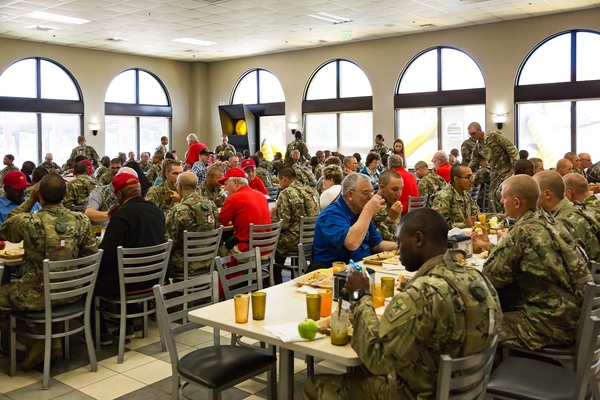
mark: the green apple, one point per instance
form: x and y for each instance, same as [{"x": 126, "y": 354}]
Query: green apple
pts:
[{"x": 307, "y": 329}]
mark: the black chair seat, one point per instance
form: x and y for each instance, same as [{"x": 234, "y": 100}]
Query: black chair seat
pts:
[
  {"x": 57, "y": 312},
  {"x": 215, "y": 366},
  {"x": 137, "y": 296},
  {"x": 527, "y": 379},
  {"x": 568, "y": 350},
  {"x": 293, "y": 253},
  {"x": 199, "y": 272}
]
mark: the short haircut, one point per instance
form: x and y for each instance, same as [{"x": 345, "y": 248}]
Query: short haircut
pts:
[
  {"x": 114, "y": 161},
  {"x": 234, "y": 155},
  {"x": 357, "y": 156},
  {"x": 240, "y": 180},
  {"x": 387, "y": 176},
  {"x": 169, "y": 156},
  {"x": 38, "y": 174},
  {"x": 536, "y": 162},
  {"x": 351, "y": 181},
  {"x": 372, "y": 157},
  {"x": 457, "y": 170},
  {"x": 214, "y": 170},
  {"x": 28, "y": 165},
  {"x": 333, "y": 172},
  {"x": 577, "y": 184},
  {"x": 191, "y": 137},
  {"x": 81, "y": 157},
  {"x": 523, "y": 154},
  {"x": 163, "y": 138},
  {"x": 570, "y": 156},
  {"x": 333, "y": 160},
  {"x": 287, "y": 172},
  {"x": 552, "y": 181},
  {"x": 348, "y": 160},
  {"x": 159, "y": 155},
  {"x": 421, "y": 164},
  {"x": 523, "y": 187},
  {"x": 256, "y": 160},
  {"x": 298, "y": 135},
  {"x": 188, "y": 180},
  {"x": 563, "y": 162},
  {"x": 395, "y": 161},
  {"x": 80, "y": 168},
  {"x": 52, "y": 188},
  {"x": 521, "y": 165},
  {"x": 474, "y": 125},
  {"x": 80, "y": 138},
  {"x": 442, "y": 156},
  {"x": 429, "y": 222},
  {"x": 168, "y": 165}
]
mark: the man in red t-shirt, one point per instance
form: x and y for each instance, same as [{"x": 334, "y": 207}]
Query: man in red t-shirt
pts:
[
  {"x": 396, "y": 163},
  {"x": 441, "y": 165},
  {"x": 193, "y": 153},
  {"x": 242, "y": 207}
]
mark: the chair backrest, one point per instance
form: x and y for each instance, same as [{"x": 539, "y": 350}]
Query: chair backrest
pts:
[
  {"x": 173, "y": 310},
  {"x": 143, "y": 267},
  {"x": 486, "y": 198},
  {"x": 241, "y": 273},
  {"x": 265, "y": 237},
  {"x": 595, "y": 270},
  {"x": 1, "y": 272},
  {"x": 587, "y": 357},
  {"x": 200, "y": 247},
  {"x": 475, "y": 191},
  {"x": 417, "y": 202},
  {"x": 304, "y": 257},
  {"x": 465, "y": 378},
  {"x": 69, "y": 279},
  {"x": 307, "y": 229},
  {"x": 590, "y": 308},
  {"x": 273, "y": 192}
]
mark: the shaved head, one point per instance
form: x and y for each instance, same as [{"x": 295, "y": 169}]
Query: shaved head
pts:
[
  {"x": 577, "y": 185},
  {"x": 564, "y": 166},
  {"x": 187, "y": 180},
  {"x": 551, "y": 181},
  {"x": 524, "y": 188}
]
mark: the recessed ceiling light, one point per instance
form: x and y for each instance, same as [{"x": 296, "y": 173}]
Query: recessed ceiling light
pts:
[
  {"x": 117, "y": 39},
  {"x": 334, "y": 19},
  {"x": 42, "y": 27},
  {"x": 57, "y": 18},
  {"x": 194, "y": 41}
]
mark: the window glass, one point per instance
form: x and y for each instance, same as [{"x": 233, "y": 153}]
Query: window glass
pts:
[
  {"x": 455, "y": 121},
  {"x": 417, "y": 127},
  {"x": 19, "y": 80},
  {"x": 356, "y": 132},
  {"x": 588, "y": 119},
  {"x": 321, "y": 132},
  {"x": 151, "y": 91},
  {"x": 120, "y": 135},
  {"x": 270, "y": 88},
  {"x": 588, "y": 56},
  {"x": 421, "y": 75},
  {"x": 246, "y": 90},
  {"x": 353, "y": 81},
  {"x": 56, "y": 83},
  {"x": 545, "y": 130},
  {"x": 272, "y": 134},
  {"x": 59, "y": 135},
  {"x": 324, "y": 83},
  {"x": 122, "y": 88},
  {"x": 459, "y": 71},
  {"x": 549, "y": 63},
  {"x": 151, "y": 130},
  {"x": 18, "y": 136}
]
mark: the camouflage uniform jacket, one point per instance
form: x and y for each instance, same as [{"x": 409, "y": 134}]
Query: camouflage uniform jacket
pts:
[
  {"x": 319, "y": 171},
  {"x": 193, "y": 214},
  {"x": 266, "y": 164},
  {"x": 264, "y": 176},
  {"x": 482, "y": 176},
  {"x": 5, "y": 171},
  {"x": 295, "y": 201},
  {"x": 455, "y": 207},
  {"x": 101, "y": 171},
  {"x": 578, "y": 171},
  {"x": 106, "y": 178},
  {"x": 153, "y": 173},
  {"x": 50, "y": 167},
  {"x": 428, "y": 318},
  {"x": 466, "y": 150},
  {"x": 379, "y": 149},
  {"x": 430, "y": 184},
  {"x": 161, "y": 196},
  {"x": 593, "y": 173},
  {"x": 592, "y": 205},
  {"x": 89, "y": 152},
  {"x": 301, "y": 147},
  {"x": 276, "y": 165},
  {"x": 304, "y": 174},
  {"x": 203, "y": 191},
  {"x": 541, "y": 294},
  {"x": 224, "y": 152},
  {"x": 145, "y": 167},
  {"x": 78, "y": 191},
  {"x": 161, "y": 148},
  {"x": 499, "y": 151},
  {"x": 584, "y": 228},
  {"x": 386, "y": 226},
  {"x": 40, "y": 240}
]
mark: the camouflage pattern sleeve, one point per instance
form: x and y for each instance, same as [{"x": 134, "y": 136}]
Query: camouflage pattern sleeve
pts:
[
  {"x": 443, "y": 204},
  {"x": 171, "y": 227},
  {"x": 154, "y": 195},
  {"x": 510, "y": 148},
  {"x": 24, "y": 208},
  {"x": 498, "y": 267},
  {"x": 89, "y": 243},
  {"x": 476, "y": 158},
  {"x": 12, "y": 229},
  {"x": 385, "y": 225},
  {"x": 94, "y": 156},
  {"x": 283, "y": 211},
  {"x": 69, "y": 198}
]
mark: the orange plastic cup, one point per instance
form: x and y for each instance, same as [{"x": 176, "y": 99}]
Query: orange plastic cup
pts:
[{"x": 326, "y": 302}]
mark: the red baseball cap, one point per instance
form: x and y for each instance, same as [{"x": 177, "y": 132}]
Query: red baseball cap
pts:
[
  {"x": 16, "y": 180},
  {"x": 248, "y": 163},
  {"x": 89, "y": 164},
  {"x": 232, "y": 172},
  {"x": 123, "y": 180}
]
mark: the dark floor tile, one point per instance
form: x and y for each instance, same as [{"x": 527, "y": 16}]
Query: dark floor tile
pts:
[
  {"x": 34, "y": 391},
  {"x": 3, "y": 397},
  {"x": 298, "y": 391},
  {"x": 301, "y": 376},
  {"x": 146, "y": 393},
  {"x": 74, "y": 395},
  {"x": 164, "y": 385}
]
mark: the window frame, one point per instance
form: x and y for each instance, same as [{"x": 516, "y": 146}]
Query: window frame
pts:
[{"x": 259, "y": 109}]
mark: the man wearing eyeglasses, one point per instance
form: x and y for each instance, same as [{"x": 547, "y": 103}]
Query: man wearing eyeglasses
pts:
[
  {"x": 585, "y": 161},
  {"x": 454, "y": 201}
]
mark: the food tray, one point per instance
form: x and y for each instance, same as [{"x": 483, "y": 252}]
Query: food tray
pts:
[
  {"x": 321, "y": 278},
  {"x": 387, "y": 257},
  {"x": 12, "y": 254}
]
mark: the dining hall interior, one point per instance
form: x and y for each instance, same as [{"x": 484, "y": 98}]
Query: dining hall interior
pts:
[{"x": 496, "y": 36}]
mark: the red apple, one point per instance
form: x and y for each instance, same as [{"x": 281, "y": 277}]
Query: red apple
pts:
[{"x": 2, "y": 245}]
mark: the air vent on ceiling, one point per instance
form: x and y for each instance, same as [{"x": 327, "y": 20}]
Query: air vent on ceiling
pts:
[
  {"x": 427, "y": 26},
  {"x": 43, "y": 28},
  {"x": 116, "y": 39},
  {"x": 319, "y": 41},
  {"x": 212, "y": 2}
]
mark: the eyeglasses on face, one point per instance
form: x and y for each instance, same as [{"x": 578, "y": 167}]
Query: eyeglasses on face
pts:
[
  {"x": 365, "y": 192},
  {"x": 469, "y": 177}
]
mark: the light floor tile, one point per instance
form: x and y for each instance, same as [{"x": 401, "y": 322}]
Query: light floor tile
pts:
[
  {"x": 132, "y": 359},
  {"x": 112, "y": 387},
  {"x": 299, "y": 365},
  {"x": 83, "y": 376},
  {"x": 151, "y": 372},
  {"x": 251, "y": 386},
  {"x": 332, "y": 365},
  {"x": 21, "y": 379},
  {"x": 141, "y": 342},
  {"x": 254, "y": 397},
  {"x": 34, "y": 391}
]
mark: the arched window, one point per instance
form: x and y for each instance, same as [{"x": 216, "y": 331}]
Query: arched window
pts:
[
  {"x": 138, "y": 113},
  {"x": 337, "y": 108},
  {"x": 261, "y": 92},
  {"x": 555, "y": 95},
  {"x": 439, "y": 93},
  {"x": 41, "y": 111}
]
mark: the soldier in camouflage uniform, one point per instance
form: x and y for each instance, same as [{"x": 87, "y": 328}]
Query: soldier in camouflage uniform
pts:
[
  {"x": 162, "y": 147},
  {"x": 261, "y": 172},
  {"x": 466, "y": 150},
  {"x": 303, "y": 174},
  {"x": 429, "y": 183},
  {"x": 319, "y": 168},
  {"x": 107, "y": 177},
  {"x": 277, "y": 163},
  {"x": 575, "y": 162},
  {"x": 434, "y": 314},
  {"x": 41, "y": 234},
  {"x": 104, "y": 167},
  {"x": 224, "y": 150},
  {"x": 88, "y": 151},
  {"x": 50, "y": 165},
  {"x": 156, "y": 168},
  {"x": 577, "y": 191},
  {"x": 8, "y": 161},
  {"x": 165, "y": 194},
  {"x": 79, "y": 189},
  {"x": 145, "y": 163},
  {"x": 299, "y": 145},
  {"x": 497, "y": 149},
  {"x": 584, "y": 228},
  {"x": 211, "y": 188},
  {"x": 386, "y": 220},
  {"x": 454, "y": 201},
  {"x": 379, "y": 147},
  {"x": 521, "y": 167},
  {"x": 193, "y": 214},
  {"x": 539, "y": 274},
  {"x": 263, "y": 162},
  {"x": 294, "y": 201}
]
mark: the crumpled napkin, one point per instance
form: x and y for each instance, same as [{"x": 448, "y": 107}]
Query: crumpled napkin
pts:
[
  {"x": 308, "y": 289},
  {"x": 288, "y": 332}
]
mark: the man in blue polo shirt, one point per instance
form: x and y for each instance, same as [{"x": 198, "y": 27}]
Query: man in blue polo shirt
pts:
[
  {"x": 344, "y": 229},
  {"x": 15, "y": 183}
]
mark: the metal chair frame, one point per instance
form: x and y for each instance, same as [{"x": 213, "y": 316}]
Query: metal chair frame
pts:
[{"x": 266, "y": 238}]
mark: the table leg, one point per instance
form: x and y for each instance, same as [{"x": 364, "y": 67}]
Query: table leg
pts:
[{"x": 285, "y": 389}]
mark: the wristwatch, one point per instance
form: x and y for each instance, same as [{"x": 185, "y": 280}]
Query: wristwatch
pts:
[{"x": 358, "y": 293}]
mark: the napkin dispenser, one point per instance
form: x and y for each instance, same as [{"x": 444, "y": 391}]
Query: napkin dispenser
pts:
[
  {"x": 339, "y": 282},
  {"x": 461, "y": 242}
]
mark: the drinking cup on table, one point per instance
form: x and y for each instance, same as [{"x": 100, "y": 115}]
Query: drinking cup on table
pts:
[
  {"x": 241, "y": 303},
  {"x": 378, "y": 294},
  {"x": 97, "y": 229},
  {"x": 481, "y": 218},
  {"x": 259, "y": 304},
  {"x": 326, "y": 302},
  {"x": 339, "y": 328},
  {"x": 313, "y": 306},
  {"x": 338, "y": 266},
  {"x": 390, "y": 284}
]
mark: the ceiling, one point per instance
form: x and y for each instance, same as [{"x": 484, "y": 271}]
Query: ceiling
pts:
[{"x": 241, "y": 28}]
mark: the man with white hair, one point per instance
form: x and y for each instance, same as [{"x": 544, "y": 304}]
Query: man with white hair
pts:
[
  {"x": 441, "y": 165},
  {"x": 102, "y": 199},
  {"x": 194, "y": 148}
]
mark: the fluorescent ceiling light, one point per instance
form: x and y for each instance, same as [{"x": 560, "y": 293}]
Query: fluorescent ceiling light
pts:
[
  {"x": 117, "y": 39},
  {"x": 57, "y": 18},
  {"x": 193, "y": 41},
  {"x": 334, "y": 19}
]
